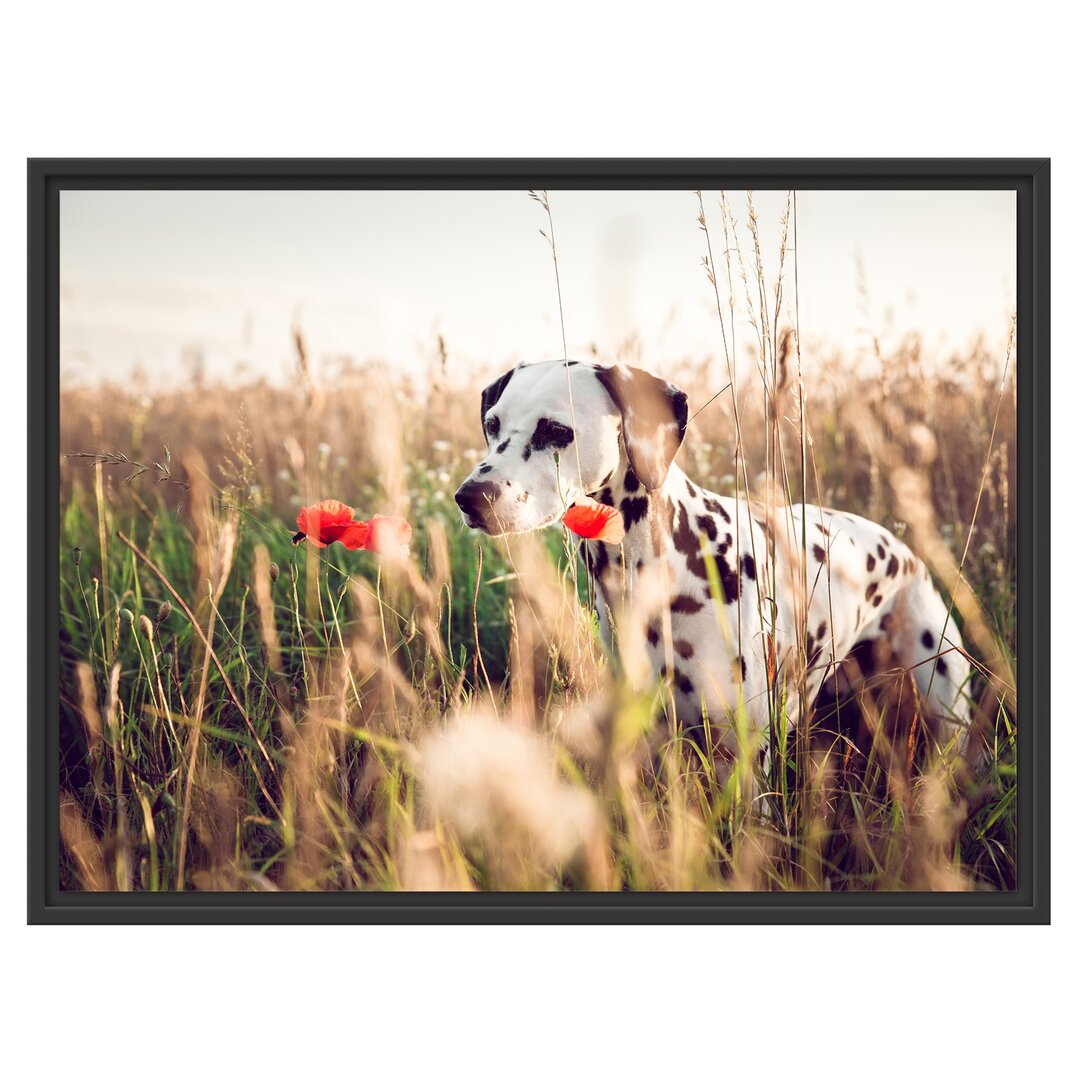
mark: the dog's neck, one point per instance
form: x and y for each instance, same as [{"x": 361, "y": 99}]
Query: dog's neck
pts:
[{"x": 647, "y": 515}]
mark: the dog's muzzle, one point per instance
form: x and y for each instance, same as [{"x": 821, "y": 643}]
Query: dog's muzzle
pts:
[{"x": 476, "y": 498}]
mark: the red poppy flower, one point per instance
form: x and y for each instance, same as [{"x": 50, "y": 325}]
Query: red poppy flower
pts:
[
  {"x": 595, "y": 521},
  {"x": 330, "y": 522}
]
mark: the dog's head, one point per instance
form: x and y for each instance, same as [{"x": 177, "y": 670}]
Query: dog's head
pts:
[{"x": 543, "y": 455}]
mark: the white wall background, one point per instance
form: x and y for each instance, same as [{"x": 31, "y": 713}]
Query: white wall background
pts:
[{"x": 565, "y": 79}]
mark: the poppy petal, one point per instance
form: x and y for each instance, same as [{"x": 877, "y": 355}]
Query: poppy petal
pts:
[
  {"x": 389, "y": 535},
  {"x": 355, "y": 535},
  {"x": 593, "y": 520},
  {"x": 324, "y": 522}
]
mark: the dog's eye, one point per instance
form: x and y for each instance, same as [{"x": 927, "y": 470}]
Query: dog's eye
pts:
[{"x": 492, "y": 426}]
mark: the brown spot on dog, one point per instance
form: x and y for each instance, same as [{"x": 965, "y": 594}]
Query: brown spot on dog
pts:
[
  {"x": 706, "y": 525},
  {"x": 489, "y": 399},
  {"x": 634, "y": 509},
  {"x": 880, "y": 551},
  {"x": 749, "y": 568},
  {"x": 729, "y": 580},
  {"x": 927, "y": 639},
  {"x": 871, "y": 589},
  {"x": 714, "y": 506},
  {"x": 596, "y": 555},
  {"x": 893, "y": 567},
  {"x": 819, "y": 553},
  {"x": 871, "y": 562},
  {"x": 684, "y": 604},
  {"x": 684, "y": 649},
  {"x": 550, "y": 435},
  {"x": 686, "y": 541}
]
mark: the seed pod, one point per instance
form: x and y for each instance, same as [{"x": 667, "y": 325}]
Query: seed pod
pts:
[
  {"x": 166, "y": 660},
  {"x": 76, "y": 554},
  {"x": 164, "y": 611},
  {"x": 146, "y": 627},
  {"x": 127, "y": 616},
  {"x": 275, "y": 570}
]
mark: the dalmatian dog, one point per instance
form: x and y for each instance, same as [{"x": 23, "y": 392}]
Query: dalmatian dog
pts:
[{"x": 560, "y": 431}]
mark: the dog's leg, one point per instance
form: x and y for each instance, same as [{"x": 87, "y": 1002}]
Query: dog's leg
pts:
[{"x": 916, "y": 638}]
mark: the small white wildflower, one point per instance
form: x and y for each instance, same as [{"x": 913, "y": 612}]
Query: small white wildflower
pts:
[
  {"x": 284, "y": 475},
  {"x": 324, "y": 449},
  {"x": 444, "y": 478},
  {"x": 440, "y": 446}
]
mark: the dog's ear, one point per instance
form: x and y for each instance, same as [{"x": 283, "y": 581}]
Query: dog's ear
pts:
[
  {"x": 653, "y": 420},
  {"x": 492, "y": 393}
]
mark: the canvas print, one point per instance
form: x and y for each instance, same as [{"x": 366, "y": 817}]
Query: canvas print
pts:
[{"x": 570, "y": 540}]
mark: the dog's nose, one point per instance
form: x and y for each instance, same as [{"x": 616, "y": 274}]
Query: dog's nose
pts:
[{"x": 476, "y": 497}]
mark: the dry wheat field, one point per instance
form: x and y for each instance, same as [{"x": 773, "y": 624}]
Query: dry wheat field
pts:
[{"x": 241, "y": 713}]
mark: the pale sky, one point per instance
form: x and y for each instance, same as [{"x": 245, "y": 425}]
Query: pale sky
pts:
[{"x": 147, "y": 276}]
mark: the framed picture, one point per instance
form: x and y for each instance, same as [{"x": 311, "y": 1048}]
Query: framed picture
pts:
[{"x": 583, "y": 541}]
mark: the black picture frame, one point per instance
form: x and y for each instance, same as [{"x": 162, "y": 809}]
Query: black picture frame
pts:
[{"x": 1029, "y": 177}]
